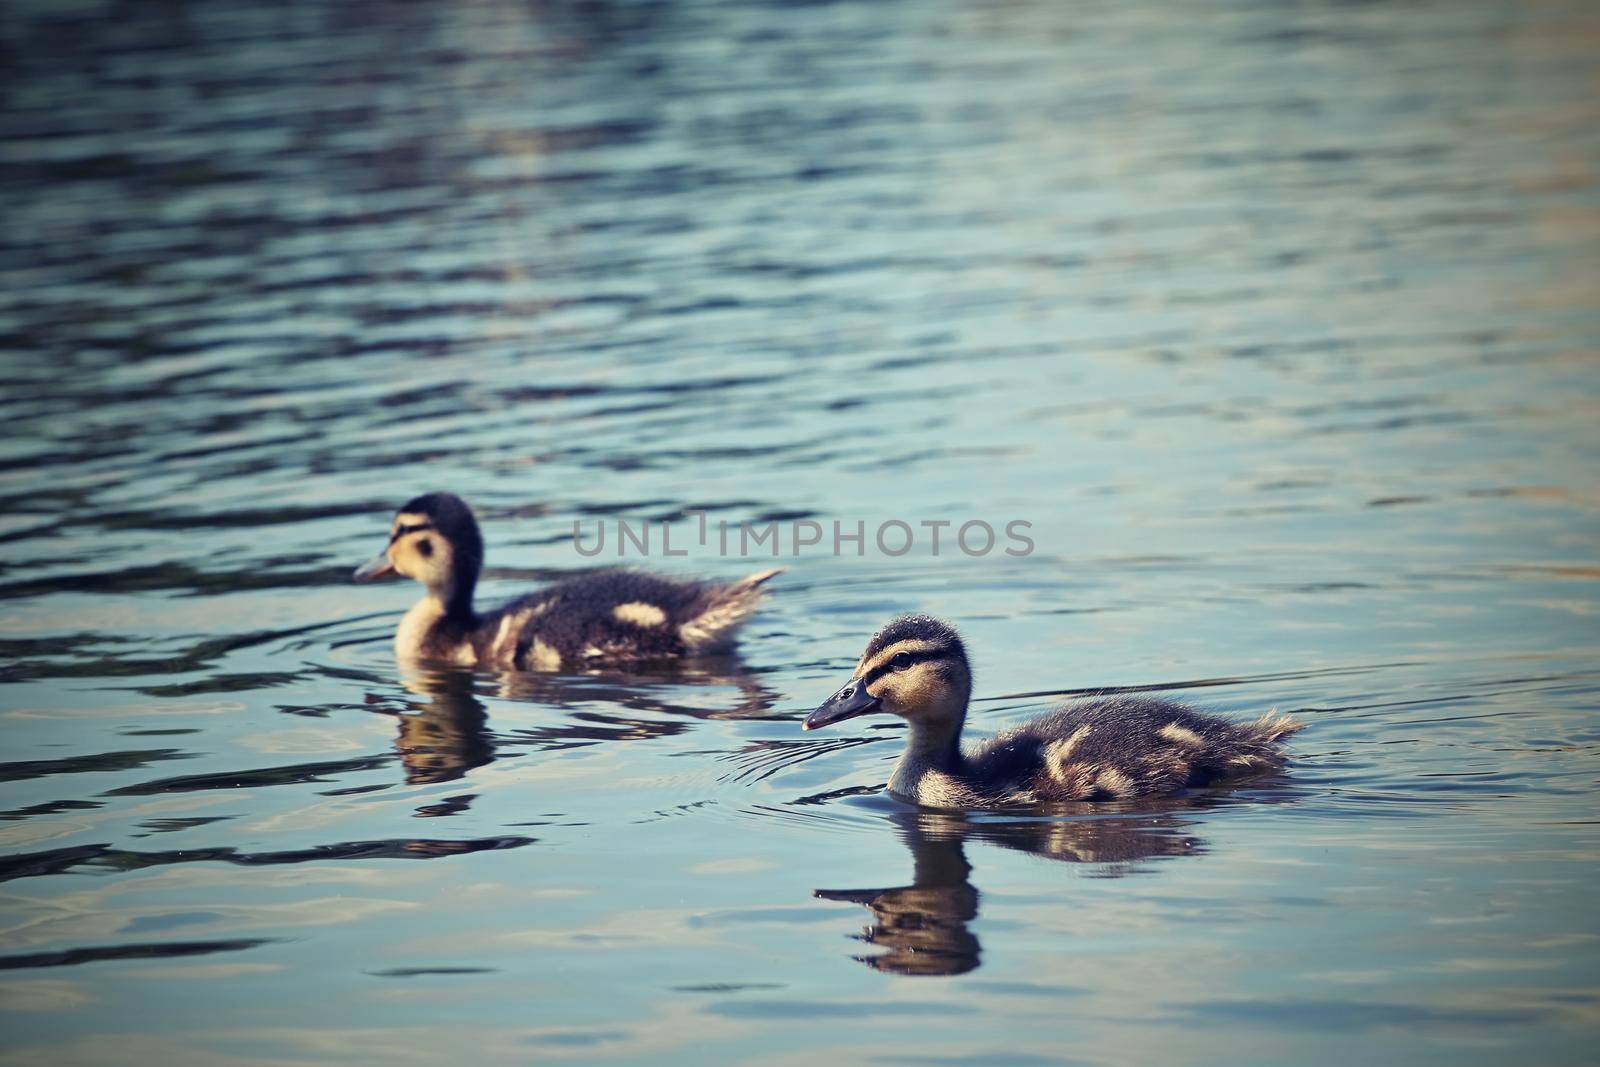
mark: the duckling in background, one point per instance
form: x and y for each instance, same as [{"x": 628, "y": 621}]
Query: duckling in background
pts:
[
  {"x": 608, "y": 615},
  {"x": 1098, "y": 749}
]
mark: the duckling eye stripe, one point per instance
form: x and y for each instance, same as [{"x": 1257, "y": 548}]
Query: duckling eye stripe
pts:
[
  {"x": 401, "y": 531},
  {"x": 915, "y": 657}
]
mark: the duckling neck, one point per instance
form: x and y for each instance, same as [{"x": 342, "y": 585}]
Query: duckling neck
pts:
[
  {"x": 442, "y": 618},
  {"x": 930, "y": 748},
  {"x": 457, "y": 600}
]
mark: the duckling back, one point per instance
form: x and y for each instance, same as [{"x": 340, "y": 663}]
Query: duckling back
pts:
[
  {"x": 618, "y": 615},
  {"x": 1127, "y": 746}
]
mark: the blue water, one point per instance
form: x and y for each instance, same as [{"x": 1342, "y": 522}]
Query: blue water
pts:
[{"x": 1277, "y": 325}]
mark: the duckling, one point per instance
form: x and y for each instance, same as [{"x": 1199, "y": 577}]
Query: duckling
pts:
[
  {"x": 1102, "y": 748},
  {"x": 607, "y": 615}
]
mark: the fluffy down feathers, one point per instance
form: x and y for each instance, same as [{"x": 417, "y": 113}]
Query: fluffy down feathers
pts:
[
  {"x": 619, "y": 615},
  {"x": 1109, "y": 748}
]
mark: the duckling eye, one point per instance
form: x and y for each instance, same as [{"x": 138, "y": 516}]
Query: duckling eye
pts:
[
  {"x": 425, "y": 546},
  {"x": 901, "y": 661}
]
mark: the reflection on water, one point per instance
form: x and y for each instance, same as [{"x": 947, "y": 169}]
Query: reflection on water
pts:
[
  {"x": 923, "y": 926},
  {"x": 1277, "y": 322},
  {"x": 445, "y": 734}
]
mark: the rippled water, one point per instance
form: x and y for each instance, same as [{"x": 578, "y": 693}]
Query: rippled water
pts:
[{"x": 1277, "y": 323}]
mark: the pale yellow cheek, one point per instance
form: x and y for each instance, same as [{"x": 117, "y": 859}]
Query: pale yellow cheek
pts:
[
  {"x": 429, "y": 570},
  {"x": 908, "y": 694}
]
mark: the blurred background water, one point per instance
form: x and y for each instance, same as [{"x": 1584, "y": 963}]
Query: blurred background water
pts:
[{"x": 1277, "y": 322}]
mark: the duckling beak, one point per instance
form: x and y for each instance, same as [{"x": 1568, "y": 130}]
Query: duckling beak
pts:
[
  {"x": 847, "y": 703},
  {"x": 375, "y": 569}
]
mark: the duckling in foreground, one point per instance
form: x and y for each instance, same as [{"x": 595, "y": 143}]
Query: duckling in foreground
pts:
[
  {"x": 610, "y": 615},
  {"x": 1096, "y": 749}
]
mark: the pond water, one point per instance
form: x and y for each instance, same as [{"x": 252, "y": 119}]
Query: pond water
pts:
[{"x": 1277, "y": 325}]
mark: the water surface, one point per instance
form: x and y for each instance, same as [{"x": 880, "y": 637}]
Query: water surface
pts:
[{"x": 1278, "y": 325}]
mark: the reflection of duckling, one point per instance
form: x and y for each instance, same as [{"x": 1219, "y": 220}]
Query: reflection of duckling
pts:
[
  {"x": 1102, "y": 748},
  {"x": 1115, "y": 844},
  {"x": 448, "y": 737},
  {"x": 923, "y": 926},
  {"x": 605, "y": 615},
  {"x": 670, "y": 687}
]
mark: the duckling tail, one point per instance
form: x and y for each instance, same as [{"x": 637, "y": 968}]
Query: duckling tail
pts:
[
  {"x": 1250, "y": 747},
  {"x": 758, "y": 579},
  {"x": 724, "y": 609},
  {"x": 1272, "y": 727}
]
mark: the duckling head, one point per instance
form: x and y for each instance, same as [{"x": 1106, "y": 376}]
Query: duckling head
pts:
[
  {"x": 916, "y": 668},
  {"x": 435, "y": 540}
]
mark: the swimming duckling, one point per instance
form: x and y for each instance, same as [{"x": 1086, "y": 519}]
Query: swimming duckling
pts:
[
  {"x": 610, "y": 615},
  {"x": 1096, "y": 749}
]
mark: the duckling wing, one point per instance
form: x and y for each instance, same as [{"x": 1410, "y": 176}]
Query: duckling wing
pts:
[
  {"x": 619, "y": 615},
  {"x": 1126, "y": 746}
]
